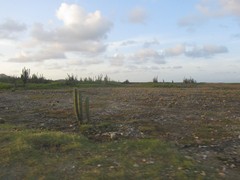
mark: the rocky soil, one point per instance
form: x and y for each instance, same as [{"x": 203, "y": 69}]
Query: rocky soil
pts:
[{"x": 203, "y": 122}]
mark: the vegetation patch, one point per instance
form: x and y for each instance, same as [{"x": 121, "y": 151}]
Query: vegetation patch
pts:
[{"x": 45, "y": 154}]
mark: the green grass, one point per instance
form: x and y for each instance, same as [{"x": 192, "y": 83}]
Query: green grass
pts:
[
  {"x": 5, "y": 85},
  {"x": 62, "y": 84},
  {"x": 58, "y": 85},
  {"x": 161, "y": 85},
  {"x": 35, "y": 154}
]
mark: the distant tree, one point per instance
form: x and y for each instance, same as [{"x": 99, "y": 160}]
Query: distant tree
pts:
[
  {"x": 189, "y": 81},
  {"x": 71, "y": 80},
  {"x": 38, "y": 79},
  {"x": 90, "y": 80},
  {"x": 34, "y": 78},
  {"x": 106, "y": 79},
  {"x": 126, "y": 82},
  {"x": 155, "y": 79},
  {"x": 25, "y": 75},
  {"x": 99, "y": 78},
  {"x": 85, "y": 79}
]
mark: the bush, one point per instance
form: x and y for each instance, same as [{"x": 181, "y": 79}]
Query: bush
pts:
[
  {"x": 25, "y": 75},
  {"x": 38, "y": 79},
  {"x": 155, "y": 79},
  {"x": 126, "y": 82},
  {"x": 8, "y": 79},
  {"x": 189, "y": 81},
  {"x": 71, "y": 80}
]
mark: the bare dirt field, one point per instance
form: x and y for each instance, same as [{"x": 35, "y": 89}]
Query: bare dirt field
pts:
[{"x": 202, "y": 122}]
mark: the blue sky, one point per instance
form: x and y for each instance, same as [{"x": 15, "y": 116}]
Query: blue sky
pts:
[{"x": 135, "y": 40}]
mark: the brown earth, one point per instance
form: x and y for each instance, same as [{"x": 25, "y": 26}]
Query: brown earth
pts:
[{"x": 203, "y": 122}]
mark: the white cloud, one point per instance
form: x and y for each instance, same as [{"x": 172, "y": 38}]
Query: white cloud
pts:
[
  {"x": 145, "y": 55},
  {"x": 231, "y": 6},
  {"x": 129, "y": 42},
  {"x": 10, "y": 28},
  {"x": 117, "y": 59},
  {"x": 209, "y": 9},
  {"x": 192, "y": 20},
  {"x": 81, "y": 25},
  {"x": 153, "y": 42},
  {"x": 71, "y": 14},
  {"x": 175, "y": 51},
  {"x": 81, "y": 32},
  {"x": 42, "y": 55},
  {"x": 89, "y": 48},
  {"x": 77, "y": 26},
  {"x": 137, "y": 15},
  {"x": 177, "y": 67},
  {"x": 41, "y": 35},
  {"x": 206, "y": 51}
]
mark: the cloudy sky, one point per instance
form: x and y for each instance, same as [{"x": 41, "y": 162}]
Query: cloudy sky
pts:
[{"x": 135, "y": 40}]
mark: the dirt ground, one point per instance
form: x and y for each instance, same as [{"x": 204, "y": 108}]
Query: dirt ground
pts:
[{"x": 203, "y": 122}]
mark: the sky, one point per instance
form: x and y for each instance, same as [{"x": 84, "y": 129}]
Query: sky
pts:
[{"x": 135, "y": 40}]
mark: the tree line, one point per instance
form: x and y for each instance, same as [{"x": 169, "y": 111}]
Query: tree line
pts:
[{"x": 26, "y": 77}]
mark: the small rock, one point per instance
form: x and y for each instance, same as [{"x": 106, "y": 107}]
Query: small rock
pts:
[
  {"x": 221, "y": 174},
  {"x": 113, "y": 135},
  {"x": 200, "y": 146},
  {"x": 188, "y": 157},
  {"x": 224, "y": 168},
  {"x": 150, "y": 162},
  {"x": 111, "y": 167},
  {"x": 99, "y": 165},
  {"x": 135, "y": 165},
  {"x": 203, "y": 173},
  {"x": 204, "y": 156},
  {"x": 233, "y": 166}
]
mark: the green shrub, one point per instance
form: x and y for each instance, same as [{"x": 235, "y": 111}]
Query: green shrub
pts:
[{"x": 189, "y": 81}]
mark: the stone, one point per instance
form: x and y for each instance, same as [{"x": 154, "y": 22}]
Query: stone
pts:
[
  {"x": 221, "y": 174},
  {"x": 135, "y": 165}
]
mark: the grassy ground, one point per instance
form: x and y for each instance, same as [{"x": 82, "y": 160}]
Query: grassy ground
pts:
[{"x": 34, "y": 154}]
